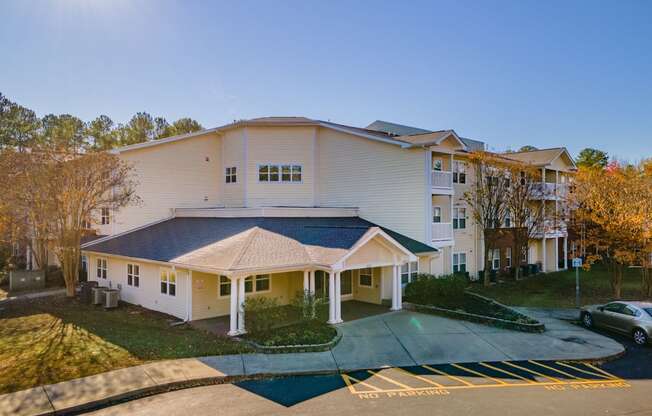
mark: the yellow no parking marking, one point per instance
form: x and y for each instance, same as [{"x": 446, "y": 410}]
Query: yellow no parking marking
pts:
[{"x": 600, "y": 379}]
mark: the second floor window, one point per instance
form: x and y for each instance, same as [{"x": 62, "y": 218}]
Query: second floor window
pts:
[
  {"x": 230, "y": 175},
  {"x": 508, "y": 221},
  {"x": 436, "y": 214},
  {"x": 459, "y": 172},
  {"x": 280, "y": 173},
  {"x": 459, "y": 218},
  {"x": 105, "y": 216}
]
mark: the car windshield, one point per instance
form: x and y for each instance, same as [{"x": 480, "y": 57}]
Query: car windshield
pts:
[{"x": 648, "y": 310}]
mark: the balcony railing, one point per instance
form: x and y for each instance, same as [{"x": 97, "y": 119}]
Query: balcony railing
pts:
[
  {"x": 442, "y": 231},
  {"x": 442, "y": 179},
  {"x": 547, "y": 190},
  {"x": 552, "y": 228}
]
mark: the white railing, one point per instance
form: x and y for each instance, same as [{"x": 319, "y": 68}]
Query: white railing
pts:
[
  {"x": 552, "y": 228},
  {"x": 442, "y": 179},
  {"x": 550, "y": 190},
  {"x": 442, "y": 231}
]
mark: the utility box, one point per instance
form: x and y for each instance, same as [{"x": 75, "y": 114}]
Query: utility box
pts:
[
  {"x": 26, "y": 280},
  {"x": 86, "y": 292},
  {"x": 98, "y": 295},
  {"x": 111, "y": 298}
]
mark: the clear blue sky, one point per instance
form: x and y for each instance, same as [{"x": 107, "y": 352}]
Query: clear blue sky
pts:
[{"x": 546, "y": 73}]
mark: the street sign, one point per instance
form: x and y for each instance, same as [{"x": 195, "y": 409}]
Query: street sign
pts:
[{"x": 577, "y": 262}]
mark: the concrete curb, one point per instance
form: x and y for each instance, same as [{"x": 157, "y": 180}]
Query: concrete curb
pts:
[{"x": 286, "y": 349}]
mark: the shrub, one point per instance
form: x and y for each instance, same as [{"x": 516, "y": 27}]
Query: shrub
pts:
[
  {"x": 445, "y": 291},
  {"x": 307, "y": 305},
  {"x": 261, "y": 314}
]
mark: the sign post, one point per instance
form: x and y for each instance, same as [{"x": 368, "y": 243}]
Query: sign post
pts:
[{"x": 577, "y": 263}]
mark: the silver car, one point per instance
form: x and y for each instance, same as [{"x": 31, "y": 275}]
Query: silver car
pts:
[{"x": 630, "y": 318}]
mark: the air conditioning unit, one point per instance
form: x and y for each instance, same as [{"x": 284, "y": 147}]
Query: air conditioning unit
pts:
[
  {"x": 98, "y": 295},
  {"x": 112, "y": 296}
]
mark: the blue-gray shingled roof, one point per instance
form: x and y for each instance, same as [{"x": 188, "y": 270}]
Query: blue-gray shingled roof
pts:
[
  {"x": 170, "y": 239},
  {"x": 403, "y": 130}
]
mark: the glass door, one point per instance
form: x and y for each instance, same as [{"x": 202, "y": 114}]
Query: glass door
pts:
[{"x": 321, "y": 284}]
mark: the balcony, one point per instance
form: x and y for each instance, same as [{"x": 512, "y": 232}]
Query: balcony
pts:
[
  {"x": 550, "y": 191},
  {"x": 442, "y": 232},
  {"x": 442, "y": 182},
  {"x": 553, "y": 229}
]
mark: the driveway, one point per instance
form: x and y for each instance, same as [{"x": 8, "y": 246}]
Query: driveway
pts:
[{"x": 407, "y": 338}]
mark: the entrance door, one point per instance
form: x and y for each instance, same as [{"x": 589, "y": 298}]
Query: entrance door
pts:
[{"x": 321, "y": 284}]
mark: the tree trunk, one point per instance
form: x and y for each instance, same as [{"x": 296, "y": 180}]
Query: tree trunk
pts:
[
  {"x": 70, "y": 268},
  {"x": 617, "y": 280},
  {"x": 487, "y": 263}
]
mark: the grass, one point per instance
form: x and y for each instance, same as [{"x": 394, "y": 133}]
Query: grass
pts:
[
  {"x": 48, "y": 340},
  {"x": 557, "y": 290},
  {"x": 302, "y": 333}
]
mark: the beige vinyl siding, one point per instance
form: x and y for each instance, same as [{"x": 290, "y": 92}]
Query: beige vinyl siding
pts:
[
  {"x": 148, "y": 294},
  {"x": 364, "y": 293},
  {"x": 170, "y": 175},
  {"x": 280, "y": 145},
  {"x": 387, "y": 183},
  {"x": 233, "y": 148}
]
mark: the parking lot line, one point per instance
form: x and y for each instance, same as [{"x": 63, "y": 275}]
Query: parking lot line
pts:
[
  {"x": 509, "y": 373},
  {"x": 477, "y": 373},
  {"x": 600, "y": 370},
  {"x": 557, "y": 370},
  {"x": 532, "y": 371},
  {"x": 347, "y": 379},
  {"x": 434, "y": 370},
  {"x": 425, "y": 380},
  {"x": 591, "y": 373},
  {"x": 405, "y": 386}
]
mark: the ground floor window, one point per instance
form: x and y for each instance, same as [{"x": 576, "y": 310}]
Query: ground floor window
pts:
[
  {"x": 133, "y": 275},
  {"x": 225, "y": 286},
  {"x": 508, "y": 256},
  {"x": 84, "y": 264},
  {"x": 495, "y": 259},
  {"x": 524, "y": 255},
  {"x": 168, "y": 282},
  {"x": 257, "y": 284},
  {"x": 459, "y": 262},
  {"x": 101, "y": 268},
  {"x": 365, "y": 277},
  {"x": 345, "y": 282},
  {"x": 409, "y": 272}
]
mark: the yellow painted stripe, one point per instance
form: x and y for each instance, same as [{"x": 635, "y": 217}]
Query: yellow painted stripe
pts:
[
  {"x": 479, "y": 374},
  {"x": 507, "y": 372},
  {"x": 584, "y": 371},
  {"x": 345, "y": 376},
  {"x": 554, "y": 369},
  {"x": 532, "y": 371},
  {"x": 611, "y": 376},
  {"x": 506, "y": 386},
  {"x": 434, "y": 370},
  {"x": 405, "y": 386},
  {"x": 425, "y": 380}
]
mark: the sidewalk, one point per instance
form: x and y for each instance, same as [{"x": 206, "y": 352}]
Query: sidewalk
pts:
[
  {"x": 34, "y": 295},
  {"x": 389, "y": 340}
]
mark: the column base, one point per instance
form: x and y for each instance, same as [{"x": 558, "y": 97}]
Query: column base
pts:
[
  {"x": 233, "y": 333},
  {"x": 396, "y": 309},
  {"x": 334, "y": 321}
]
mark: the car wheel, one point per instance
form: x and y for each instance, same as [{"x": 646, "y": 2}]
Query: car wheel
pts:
[
  {"x": 587, "y": 320},
  {"x": 640, "y": 337}
]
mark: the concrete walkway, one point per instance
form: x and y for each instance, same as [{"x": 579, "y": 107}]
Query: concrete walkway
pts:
[
  {"x": 34, "y": 295},
  {"x": 390, "y": 340}
]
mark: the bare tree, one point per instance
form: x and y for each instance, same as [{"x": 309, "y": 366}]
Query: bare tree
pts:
[{"x": 487, "y": 199}]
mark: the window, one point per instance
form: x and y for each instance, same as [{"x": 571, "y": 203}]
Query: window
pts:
[
  {"x": 84, "y": 264},
  {"x": 437, "y": 164},
  {"x": 345, "y": 283},
  {"x": 409, "y": 272},
  {"x": 262, "y": 283},
  {"x": 133, "y": 275},
  {"x": 280, "y": 173},
  {"x": 365, "y": 277},
  {"x": 508, "y": 257},
  {"x": 508, "y": 220},
  {"x": 225, "y": 286},
  {"x": 436, "y": 214},
  {"x": 459, "y": 172},
  {"x": 101, "y": 268},
  {"x": 615, "y": 307},
  {"x": 230, "y": 175},
  {"x": 168, "y": 282},
  {"x": 105, "y": 216},
  {"x": 524, "y": 255},
  {"x": 495, "y": 259},
  {"x": 459, "y": 262},
  {"x": 459, "y": 218}
]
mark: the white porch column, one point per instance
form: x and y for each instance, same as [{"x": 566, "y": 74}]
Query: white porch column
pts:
[
  {"x": 399, "y": 292},
  {"x": 331, "y": 298},
  {"x": 556, "y": 256},
  {"x": 565, "y": 253},
  {"x": 241, "y": 300},
  {"x": 338, "y": 297},
  {"x": 544, "y": 264},
  {"x": 396, "y": 288},
  {"x": 312, "y": 282},
  {"x": 306, "y": 281},
  {"x": 233, "y": 311}
]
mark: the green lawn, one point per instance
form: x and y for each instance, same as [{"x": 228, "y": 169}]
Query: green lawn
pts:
[
  {"x": 54, "y": 339},
  {"x": 557, "y": 290}
]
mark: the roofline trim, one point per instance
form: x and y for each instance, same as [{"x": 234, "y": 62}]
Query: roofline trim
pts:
[
  {"x": 451, "y": 133},
  {"x": 170, "y": 139},
  {"x": 327, "y": 125},
  {"x": 370, "y": 234}
]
